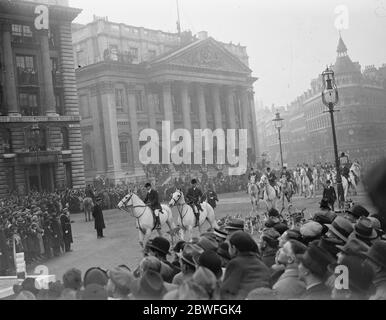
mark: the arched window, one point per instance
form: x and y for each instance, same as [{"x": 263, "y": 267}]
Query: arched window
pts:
[{"x": 89, "y": 159}]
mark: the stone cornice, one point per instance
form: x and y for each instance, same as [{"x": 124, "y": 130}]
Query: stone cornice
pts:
[{"x": 40, "y": 119}]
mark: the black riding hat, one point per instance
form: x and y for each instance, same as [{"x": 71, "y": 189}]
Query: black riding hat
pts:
[
  {"x": 147, "y": 185},
  {"x": 194, "y": 181}
]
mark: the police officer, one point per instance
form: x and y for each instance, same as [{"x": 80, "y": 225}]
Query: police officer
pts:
[
  {"x": 193, "y": 198},
  {"x": 152, "y": 200}
]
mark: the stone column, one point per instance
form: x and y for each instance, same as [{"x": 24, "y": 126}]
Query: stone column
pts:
[
  {"x": 134, "y": 130},
  {"x": 201, "y": 106},
  {"x": 215, "y": 92},
  {"x": 185, "y": 106},
  {"x": 9, "y": 68},
  {"x": 109, "y": 115},
  {"x": 254, "y": 122},
  {"x": 167, "y": 103},
  {"x": 48, "y": 85},
  {"x": 231, "y": 115},
  {"x": 246, "y": 116},
  {"x": 151, "y": 109}
]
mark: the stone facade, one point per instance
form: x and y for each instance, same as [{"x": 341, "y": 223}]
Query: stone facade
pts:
[
  {"x": 194, "y": 82},
  {"x": 41, "y": 145}
]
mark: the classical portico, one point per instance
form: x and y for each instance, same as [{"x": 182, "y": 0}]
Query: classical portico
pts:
[{"x": 198, "y": 86}]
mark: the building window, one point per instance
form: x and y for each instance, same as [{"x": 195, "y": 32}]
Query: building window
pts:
[
  {"x": 84, "y": 106},
  {"x": 114, "y": 52},
  {"x": 65, "y": 138},
  {"x": 119, "y": 98},
  {"x": 89, "y": 160},
  {"x": 26, "y": 73},
  {"x": 138, "y": 101},
  {"x": 134, "y": 53},
  {"x": 28, "y": 102},
  {"x": 22, "y": 33},
  {"x": 53, "y": 37},
  {"x": 59, "y": 103},
  {"x": 123, "y": 147}
]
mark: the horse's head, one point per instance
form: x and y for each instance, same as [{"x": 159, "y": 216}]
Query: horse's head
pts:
[
  {"x": 176, "y": 197},
  {"x": 127, "y": 201}
]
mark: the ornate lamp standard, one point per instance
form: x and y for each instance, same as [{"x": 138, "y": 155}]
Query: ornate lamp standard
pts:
[
  {"x": 278, "y": 121},
  {"x": 36, "y": 133},
  {"x": 330, "y": 99}
]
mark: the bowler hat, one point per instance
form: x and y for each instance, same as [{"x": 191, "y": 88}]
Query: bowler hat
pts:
[
  {"x": 316, "y": 259},
  {"x": 208, "y": 244},
  {"x": 147, "y": 185},
  {"x": 160, "y": 244},
  {"x": 364, "y": 229},
  {"x": 220, "y": 234},
  {"x": 95, "y": 275},
  {"x": 149, "y": 286},
  {"x": 243, "y": 242},
  {"x": 211, "y": 260},
  {"x": 235, "y": 224},
  {"x": 341, "y": 227},
  {"x": 377, "y": 253},
  {"x": 358, "y": 211}
]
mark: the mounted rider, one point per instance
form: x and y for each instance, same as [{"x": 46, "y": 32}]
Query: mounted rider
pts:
[
  {"x": 286, "y": 173},
  {"x": 211, "y": 196},
  {"x": 193, "y": 198},
  {"x": 152, "y": 200},
  {"x": 252, "y": 178},
  {"x": 272, "y": 180},
  {"x": 89, "y": 192}
]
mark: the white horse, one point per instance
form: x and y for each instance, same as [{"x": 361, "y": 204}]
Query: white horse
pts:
[
  {"x": 186, "y": 217},
  {"x": 298, "y": 183},
  {"x": 144, "y": 217},
  {"x": 269, "y": 192},
  {"x": 307, "y": 187},
  {"x": 253, "y": 191}
]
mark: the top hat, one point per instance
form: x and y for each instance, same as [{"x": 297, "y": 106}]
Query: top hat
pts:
[{"x": 194, "y": 181}]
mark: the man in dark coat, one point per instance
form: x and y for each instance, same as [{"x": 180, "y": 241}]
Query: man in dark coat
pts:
[
  {"x": 193, "y": 198},
  {"x": 57, "y": 235},
  {"x": 67, "y": 231},
  {"x": 329, "y": 194},
  {"x": 245, "y": 271},
  {"x": 152, "y": 200},
  {"x": 97, "y": 214}
]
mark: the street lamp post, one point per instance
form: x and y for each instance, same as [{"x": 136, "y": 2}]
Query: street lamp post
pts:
[
  {"x": 330, "y": 98},
  {"x": 278, "y": 121},
  {"x": 36, "y": 133}
]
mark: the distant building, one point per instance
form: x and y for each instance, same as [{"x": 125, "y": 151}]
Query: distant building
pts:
[
  {"x": 40, "y": 138},
  {"x": 131, "y": 78},
  {"x": 360, "y": 121}
]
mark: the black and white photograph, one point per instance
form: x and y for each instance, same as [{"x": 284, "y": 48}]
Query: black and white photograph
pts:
[{"x": 216, "y": 150}]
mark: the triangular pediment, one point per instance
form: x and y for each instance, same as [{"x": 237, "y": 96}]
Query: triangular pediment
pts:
[{"x": 206, "y": 54}]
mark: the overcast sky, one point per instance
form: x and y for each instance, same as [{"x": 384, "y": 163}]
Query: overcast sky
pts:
[{"x": 288, "y": 42}]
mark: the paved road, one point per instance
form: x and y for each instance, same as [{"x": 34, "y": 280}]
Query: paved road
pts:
[{"x": 121, "y": 243}]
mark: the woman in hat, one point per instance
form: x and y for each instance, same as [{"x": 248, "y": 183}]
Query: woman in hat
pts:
[{"x": 97, "y": 214}]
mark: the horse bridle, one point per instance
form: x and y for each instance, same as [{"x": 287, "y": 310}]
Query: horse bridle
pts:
[
  {"x": 133, "y": 207},
  {"x": 178, "y": 208}
]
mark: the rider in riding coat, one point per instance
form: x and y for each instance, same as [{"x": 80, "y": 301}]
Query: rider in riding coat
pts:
[
  {"x": 271, "y": 177},
  {"x": 252, "y": 177},
  {"x": 286, "y": 173},
  {"x": 193, "y": 198},
  {"x": 152, "y": 200}
]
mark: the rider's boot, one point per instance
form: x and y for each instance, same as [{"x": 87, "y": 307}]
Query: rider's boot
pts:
[
  {"x": 158, "y": 223},
  {"x": 197, "y": 215}
]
